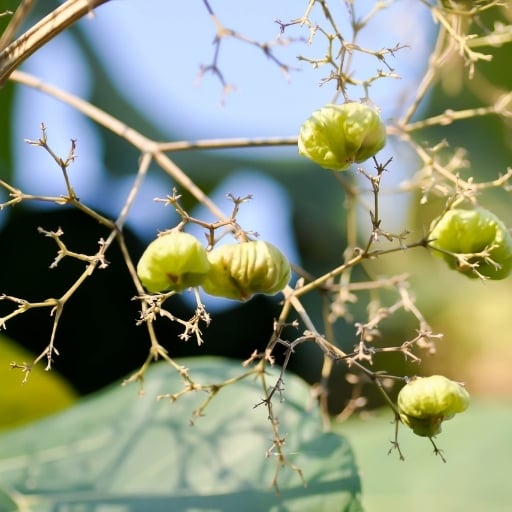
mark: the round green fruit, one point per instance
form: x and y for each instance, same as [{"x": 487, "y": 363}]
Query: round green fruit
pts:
[
  {"x": 240, "y": 270},
  {"x": 174, "y": 261},
  {"x": 467, "y": 232},
  {"x": 336, "y": 136},
  {"x": 425, "y": 402},
  {"x": 464, "y": 5}
]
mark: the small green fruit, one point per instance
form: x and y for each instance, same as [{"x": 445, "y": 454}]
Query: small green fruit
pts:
[
  {"x": 240, "y": 270},
  {"x": 336, "y": 136},
  {"x": 425, "y": 402},
  {"x": 174, "y": 261},
  {"x": 473, "y": 231},
  {"x": 464, "y": 5}
]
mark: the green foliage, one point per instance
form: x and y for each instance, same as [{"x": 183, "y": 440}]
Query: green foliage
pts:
[
  {"x": 474, "y": 478},
  {"x": 140, "y": 454},
  {"x": 20, "y": 403},
  {"x": 6, "y": 107}
]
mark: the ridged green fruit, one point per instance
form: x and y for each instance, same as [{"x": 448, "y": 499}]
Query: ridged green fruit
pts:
[
  {"x": 336, "y": 136},
  {"x": 240, "y": 270},
  {"x": 174, "y": 261},
  {"x": 464, "y": 4},
  {"x": 425, "y": 402},
  {"x": 474, "y": 231}
]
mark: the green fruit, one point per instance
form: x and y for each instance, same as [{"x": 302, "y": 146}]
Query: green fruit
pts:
[
  {"x": 425, "y": 402},
  {"x": 240, "y": 270},
  {"x": 336, "y": 136},
  {"x": 174, "y": 261},
  {"x": 466, "y": 232},
  {"x": 464, "y": 4}
]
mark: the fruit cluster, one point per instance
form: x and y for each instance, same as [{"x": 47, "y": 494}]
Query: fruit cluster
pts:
[
  {"x": 176, "y": 261},
  {"x": 425, "y": 402}
]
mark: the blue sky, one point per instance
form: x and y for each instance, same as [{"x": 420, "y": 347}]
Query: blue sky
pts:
[{"x": 158, "y": 73}]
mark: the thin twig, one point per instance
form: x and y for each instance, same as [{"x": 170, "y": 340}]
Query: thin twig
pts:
[{"x": 39, "y": 34}]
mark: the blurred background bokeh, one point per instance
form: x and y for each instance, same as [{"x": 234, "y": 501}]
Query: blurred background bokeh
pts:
[{"x": 140, "y": 62}]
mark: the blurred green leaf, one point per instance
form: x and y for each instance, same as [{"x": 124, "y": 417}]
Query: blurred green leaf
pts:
[
  {"x": 6, "y": 105},
  {"x": 119, "y": 451},
  {"x": 6, "y": 502},
  {"x": 478, "y": 452},
  {"x": 46, "y": 393}
]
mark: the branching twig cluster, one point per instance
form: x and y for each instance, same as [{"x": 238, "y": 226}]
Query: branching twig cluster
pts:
[
  {"x": 222, "y": 33},
  {"x": 440, "y": 174}
]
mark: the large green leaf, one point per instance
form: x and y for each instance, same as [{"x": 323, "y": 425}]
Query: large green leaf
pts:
[
  {"x": 475, "y": 477},
  {"x": 47, "y": 392},
  {"x": 117, "y": 451}
]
